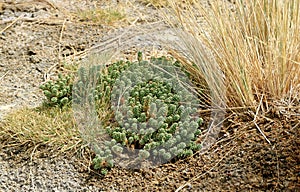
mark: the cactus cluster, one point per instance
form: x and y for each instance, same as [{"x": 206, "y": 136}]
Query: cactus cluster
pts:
[
  {"x": 59, "y": 92},
  {"x": 153, "y": 113},
  {"x": 95, "y": 83}
]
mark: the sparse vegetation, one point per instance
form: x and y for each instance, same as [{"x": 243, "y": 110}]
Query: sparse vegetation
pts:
[{"x": 158, "y": 111}]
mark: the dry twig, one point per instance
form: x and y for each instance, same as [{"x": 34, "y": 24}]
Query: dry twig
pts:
[
  {"x": 254, "y": 121},
  {"x": 11, "y": 24}
]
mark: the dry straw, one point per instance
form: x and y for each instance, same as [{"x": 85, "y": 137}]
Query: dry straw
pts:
[
  {"x": 254, "y": 42},
  {"x": 42, "y": 126}
]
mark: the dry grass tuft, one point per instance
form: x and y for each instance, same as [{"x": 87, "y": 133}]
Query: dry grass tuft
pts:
[
  {"x": 101, "y": 13},
  {"x": 164, "y": 3},
  {"x": 100, "y": 16},
  {"x": 52, "y": 127},
  {"x": 254, "y": 43}
]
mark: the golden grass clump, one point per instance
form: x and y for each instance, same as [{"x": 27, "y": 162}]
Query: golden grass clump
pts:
[
  {"x": 255, "y": 43},
  {"x": 101, "y": 16},
  {"x": 53, "y": 127},
  {"x": 155, "y": 3},
  {"x": 164, "y": 3}
]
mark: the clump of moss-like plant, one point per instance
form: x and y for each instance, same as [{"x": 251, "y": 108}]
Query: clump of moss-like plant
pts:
[{"x": 153, "y": 113}]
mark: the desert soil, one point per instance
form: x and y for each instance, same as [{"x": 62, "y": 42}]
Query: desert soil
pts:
[{"x": 39, "y": 37}]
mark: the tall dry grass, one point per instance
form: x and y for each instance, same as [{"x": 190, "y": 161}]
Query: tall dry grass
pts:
[{"x": 254, "y": 43}]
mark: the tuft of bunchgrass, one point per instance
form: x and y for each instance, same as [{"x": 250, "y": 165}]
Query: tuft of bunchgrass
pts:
[
  {"x": 155, "y": 3},
  {"x": 101, "y": 16},
  {"x": 163, "y": 3},
  {"x": 53, "y": 127},
  {"x": 254, "y": 43}
]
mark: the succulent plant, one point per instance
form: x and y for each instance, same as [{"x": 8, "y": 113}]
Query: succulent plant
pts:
[
  {"x": 95, "y": 83},
  {"x": 152, "y": 112},
  {"x": 59, "y": 92}
]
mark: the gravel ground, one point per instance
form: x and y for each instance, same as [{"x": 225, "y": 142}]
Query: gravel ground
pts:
[{"x": 41, "y": 174}]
